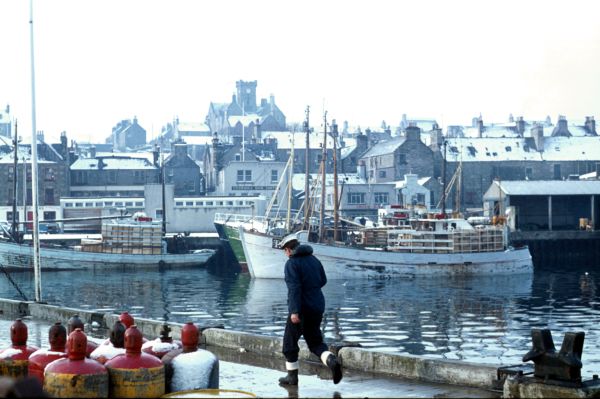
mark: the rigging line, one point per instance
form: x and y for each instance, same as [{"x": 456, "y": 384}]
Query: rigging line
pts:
[{"x": 8, "y": 276}]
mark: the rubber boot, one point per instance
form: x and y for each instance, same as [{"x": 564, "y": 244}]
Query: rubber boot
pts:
[
  {"x": 336, "y": 368},
  {"x": 290, "y": 379}
]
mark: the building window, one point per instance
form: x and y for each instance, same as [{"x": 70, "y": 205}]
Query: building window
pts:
[
  {"x": 158, "y": 214},
  {"x": 528, "y": 173},
  {"x": 274, "y": 176},
  {"x": 244, "y": 176},
  {"x": 238, "y": 157},
  {"x": 50, "y": 174},
  {"x": 112, "y": 177},
  {"x": 50, "y": 215},
  {"x": 557, "y": 174},
  {"x": 382, "y": 173},
  {"x": 49, "y": 196},
  {"x": 356, "y": 198},
  {"x": 9, "y": 216},
  {"x": 178, "y": 203},
  {"x": 382, "y": 198}
]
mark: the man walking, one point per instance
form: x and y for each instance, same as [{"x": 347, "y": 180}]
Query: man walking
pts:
[{"x": 304, "y": 277}]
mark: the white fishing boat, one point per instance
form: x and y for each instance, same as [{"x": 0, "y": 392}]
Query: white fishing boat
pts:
[
  {"x": 421, "y": 247},
  {"x": 135, "y": 243}
]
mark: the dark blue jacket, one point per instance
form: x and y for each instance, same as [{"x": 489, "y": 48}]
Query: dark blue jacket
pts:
[{"x": 304, "y": 276}]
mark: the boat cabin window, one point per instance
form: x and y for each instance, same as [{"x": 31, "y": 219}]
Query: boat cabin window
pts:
[
  {"x": 129, "y": 203},
  {"x": 139, "y": 203},
  {"x": 189, "y": 203},
  {"x": 230, "y": 203},
  {"x": 178, "y": 203},
  {"x": 119, "y": 203},
  {"x": 209, "y": 203},
  {"x": 108, "y": 203},
  {"x": 79, "y": 205},
  {"x": 89, "y": 204}
]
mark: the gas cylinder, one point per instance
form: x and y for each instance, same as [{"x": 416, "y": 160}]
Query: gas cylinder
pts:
[
  {"x": 76, "y": 376},
  {"x": 135, "y": 374},
  {"x": 74, "y": 323},
  {"x": 126, "y": 319},
  {"x": 14, "y": 359},
  {"x": 162, "y": 345},
  {"x": 190, "y": 368},
  {"x": 57, "y": 337},
  {"x": 115, "y": 345}
]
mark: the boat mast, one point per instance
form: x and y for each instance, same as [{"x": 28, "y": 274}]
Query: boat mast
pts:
[
  {"x": 162, "y": 182},
  {"x": 14, "y": 176},
  {"x": 34, "y": 167},
  {"x": 288, "y": 222},
  {"x": 323, "y": 179},
  {"x": 444, "y": 181},
  {"x": 336, "y": 216},
  {"x": 306, "y": 169}
]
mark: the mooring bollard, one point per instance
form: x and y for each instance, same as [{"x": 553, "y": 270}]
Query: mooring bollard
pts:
[{"x": 564, "y": 365}]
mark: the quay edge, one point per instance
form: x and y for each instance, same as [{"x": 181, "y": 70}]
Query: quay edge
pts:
[{"x": 360, "y": 359}]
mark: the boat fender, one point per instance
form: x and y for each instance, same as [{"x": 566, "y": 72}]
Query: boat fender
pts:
[
  {"x": 57, "y": 337},
  {"x": 14, "y": 360},
  {"x": 76, "y": 376}
]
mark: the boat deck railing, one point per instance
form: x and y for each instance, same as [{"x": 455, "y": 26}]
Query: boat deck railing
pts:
[{"x": 459, "y": 241}]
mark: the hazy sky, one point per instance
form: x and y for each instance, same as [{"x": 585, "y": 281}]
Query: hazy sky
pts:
[{"x": 100, "y": 61}]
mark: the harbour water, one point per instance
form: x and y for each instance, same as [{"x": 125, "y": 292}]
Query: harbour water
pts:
[{"x": 475, "y": 319}]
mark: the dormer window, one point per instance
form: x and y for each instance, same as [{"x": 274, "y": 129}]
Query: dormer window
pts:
[{"x": 238, "y": 157}]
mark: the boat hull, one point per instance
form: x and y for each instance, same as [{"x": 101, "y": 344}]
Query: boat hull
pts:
[
  {"x": 339, "y": 262},
  {"x": 20, "y": 257}
]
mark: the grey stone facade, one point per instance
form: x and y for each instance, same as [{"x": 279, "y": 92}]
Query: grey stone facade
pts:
[
  {"x": 390, "y": 160},
  {"x": 127, "y": 134},
  {"x": 183, "y": 172}
]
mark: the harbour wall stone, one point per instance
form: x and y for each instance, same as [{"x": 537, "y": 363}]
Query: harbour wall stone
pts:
[{"x": 403, "y": 366}]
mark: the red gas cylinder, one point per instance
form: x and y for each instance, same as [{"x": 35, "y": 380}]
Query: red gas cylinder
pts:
[
  {"x": 74, "y": 323},
  {"x": 57, "y": 336},
  {"x": 135, "y": 374},
  {"x": 76, "y": 376},
  {"x": 14, "y": 359},
  {"x": 162, "y": 345},
  {"x": 126, "y": 319},
  {"x": 190, "y": 368}
]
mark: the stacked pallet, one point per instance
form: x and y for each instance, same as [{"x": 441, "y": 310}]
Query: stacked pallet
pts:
[{"x": 131, "y": 237}]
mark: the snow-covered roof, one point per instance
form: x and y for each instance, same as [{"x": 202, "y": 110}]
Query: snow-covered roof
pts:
[
  {"x": 488, "y": 149},
  {"x": 197, "y": 140},
  {"x": 245, "y": 120},
  {"x": 549, "y": 187},
  {"x": 343, "y": 178},
  {"x": 112, "y": 164},
  {"x": 572, "y": 148},
  {"x": 192, "y": 127},
  {"x": 346, "y": 151},
  {"x": 284, "y": 140},
  {"x": 9, "y": 158},
  {"x": 149, "y": 156},
  {"x": 385, "y": 147}
]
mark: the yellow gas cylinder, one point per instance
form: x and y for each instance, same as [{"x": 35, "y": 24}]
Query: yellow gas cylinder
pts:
[
  {"x": 76, "y": 376},
  {"x": 135, "y": 374},
  {"x": 14, "y": 360}
]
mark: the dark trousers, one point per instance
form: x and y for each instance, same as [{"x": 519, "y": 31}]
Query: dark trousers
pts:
[{"x": 310, "y": 328}]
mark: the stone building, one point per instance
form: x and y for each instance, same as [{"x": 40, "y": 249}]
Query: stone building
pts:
[
  {"x": 5, "y": 122},
  {"x": 127, "y": 135},
  {"x": 113, "y": 176},
  {"x": 390, "y": 160},
  {"x": 243, "y": 116},
  {"x": 183, "y": 172},
  {"x": 536, "y": 151},
  {"x": 53, "y": 178}
]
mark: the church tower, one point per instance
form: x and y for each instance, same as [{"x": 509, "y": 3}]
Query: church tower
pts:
[{"x": 246, "y": 96}]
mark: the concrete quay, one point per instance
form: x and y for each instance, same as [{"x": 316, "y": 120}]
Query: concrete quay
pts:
[{"x": 253, "y": 363}]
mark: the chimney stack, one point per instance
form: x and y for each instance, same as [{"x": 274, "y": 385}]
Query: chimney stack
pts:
[
  {"x": 537, "y": 132},
  {"x": 520, "y": 126},
  {"x": 561, "y": 128},
  {"x": 590, "y": 126}
]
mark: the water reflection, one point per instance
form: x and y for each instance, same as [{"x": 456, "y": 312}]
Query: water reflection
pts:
[{"x": 480, "y": 319}]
